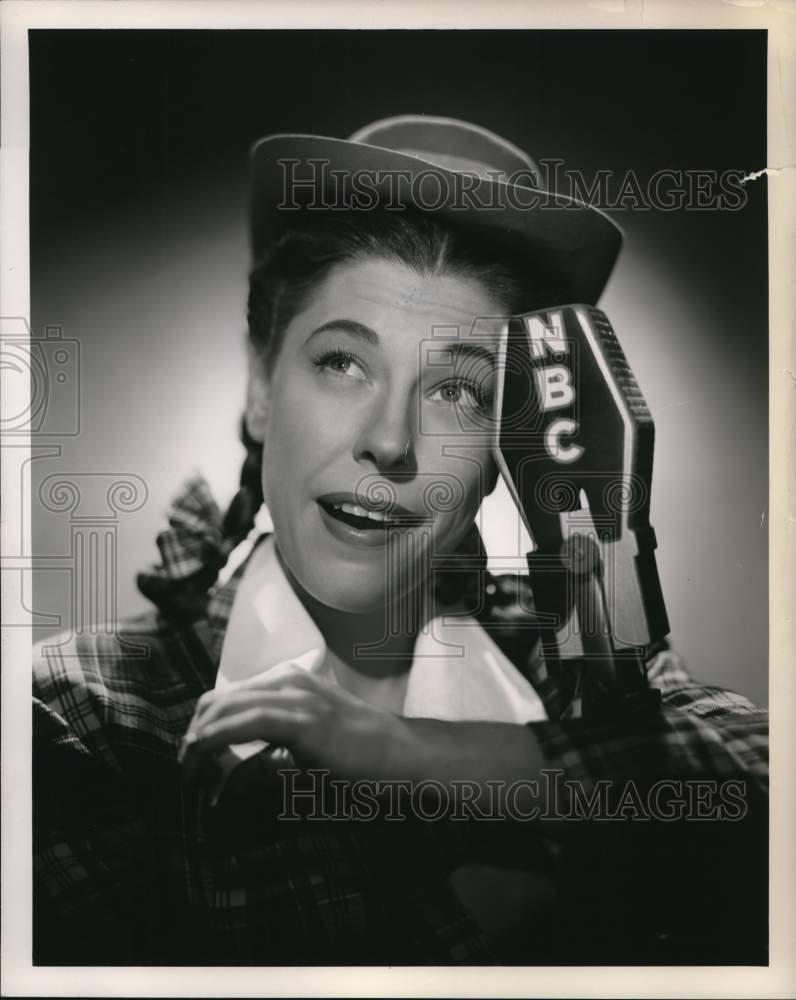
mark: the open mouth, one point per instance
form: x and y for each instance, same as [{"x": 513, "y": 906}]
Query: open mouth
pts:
[
  {"x": 358, "y": 522},
  {"x": 361, "y": 518}
]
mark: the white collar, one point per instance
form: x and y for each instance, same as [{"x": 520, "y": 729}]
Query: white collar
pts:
[{"x": 458, "y": 673}]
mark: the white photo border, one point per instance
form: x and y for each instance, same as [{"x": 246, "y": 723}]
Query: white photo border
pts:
[{"x": 778, "y": 18}]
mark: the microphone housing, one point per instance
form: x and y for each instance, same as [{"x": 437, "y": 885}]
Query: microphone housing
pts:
[{"x": 574, "y": 441}]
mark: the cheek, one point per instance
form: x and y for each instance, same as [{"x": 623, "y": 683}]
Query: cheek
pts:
[
  {"x": 306, "y": 432},
  {"x": 457, "y": 487}
]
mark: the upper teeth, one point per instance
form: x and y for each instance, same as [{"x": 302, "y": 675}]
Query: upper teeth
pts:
[{"x": 352, "y": 508}]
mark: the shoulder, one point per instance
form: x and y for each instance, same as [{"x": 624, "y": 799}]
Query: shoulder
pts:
[{"x": 102, "y": 685}]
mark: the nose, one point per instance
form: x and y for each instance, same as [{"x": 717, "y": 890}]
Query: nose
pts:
[{"x": 387, "y": 436}]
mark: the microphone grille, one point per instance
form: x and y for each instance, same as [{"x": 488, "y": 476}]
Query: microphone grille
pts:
[{"x": 614, "y": 356}]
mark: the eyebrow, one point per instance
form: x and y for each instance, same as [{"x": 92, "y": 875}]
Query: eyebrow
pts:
[
  {"x": 457, "y": 348},
  {"x": 350, "y": 326},
  {"x": 460, "y": 348}
]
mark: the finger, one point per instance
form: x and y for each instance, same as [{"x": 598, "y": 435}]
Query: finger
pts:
[
  {"x": 280, "y": 676},
  {"x": 272, "y": 679},
  {"x": 237, "y": 701},
  {"x": 206, "y": 707},
  {"x": 187, "y": 739},
  {"x": 276, "y": 725},
  {"x": 203, "y": 703},
  {"x": 277, "y": 678}
]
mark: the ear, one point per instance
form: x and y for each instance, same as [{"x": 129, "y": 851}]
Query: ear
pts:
[{"x": 257, "y": 397}]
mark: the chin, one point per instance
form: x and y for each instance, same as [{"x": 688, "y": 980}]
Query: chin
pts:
[
  {"x": 353, "y": 597},
  {"x": 355, "y": 604},
  {"x": 356, "y": 595}
]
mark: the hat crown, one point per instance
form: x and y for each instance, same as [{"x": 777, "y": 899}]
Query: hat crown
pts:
[{"x": 451, "y": 144}]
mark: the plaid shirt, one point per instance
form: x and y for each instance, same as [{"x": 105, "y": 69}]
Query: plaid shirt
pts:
[{"x": 132, "y": 867}]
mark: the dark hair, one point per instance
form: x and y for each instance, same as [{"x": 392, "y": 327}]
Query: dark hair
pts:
[{"x": 279, "y": 286}]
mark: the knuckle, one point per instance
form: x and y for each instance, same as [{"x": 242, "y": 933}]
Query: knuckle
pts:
[
  {"x": 326, "y": 714},
  {"x": 305, "y": 680},
  {"x": 207, "y": 733}
]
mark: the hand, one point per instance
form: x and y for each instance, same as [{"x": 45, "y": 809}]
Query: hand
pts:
[
  {"x": 324, "y": 726},
  {"x": 318, "y": 722}
]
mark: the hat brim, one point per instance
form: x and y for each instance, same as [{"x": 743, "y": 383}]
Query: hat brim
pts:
[{"x": 291, "y": 173}]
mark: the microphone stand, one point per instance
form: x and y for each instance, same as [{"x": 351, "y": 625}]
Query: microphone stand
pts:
[{"x": 611, "y": 681}]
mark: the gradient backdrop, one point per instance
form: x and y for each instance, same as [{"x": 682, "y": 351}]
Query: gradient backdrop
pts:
[{"x": 139, "y": 252}]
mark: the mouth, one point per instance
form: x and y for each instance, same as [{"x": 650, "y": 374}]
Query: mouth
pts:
[{"x": 355, "y": 519}]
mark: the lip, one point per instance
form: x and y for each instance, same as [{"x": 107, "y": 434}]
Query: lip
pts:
[
  {"x": 395, "y": 511},
  {"x": 372, "y": 538},
  {"x": 376, "y": 537}
]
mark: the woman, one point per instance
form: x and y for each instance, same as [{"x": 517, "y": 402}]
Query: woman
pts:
[{"x": 180, "y": 815}]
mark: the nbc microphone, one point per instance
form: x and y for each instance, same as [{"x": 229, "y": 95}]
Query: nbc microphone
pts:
[{"x": 574, "y": 442}]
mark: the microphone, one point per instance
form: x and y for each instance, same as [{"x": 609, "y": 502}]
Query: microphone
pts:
[{"x": 574, "y": 442}]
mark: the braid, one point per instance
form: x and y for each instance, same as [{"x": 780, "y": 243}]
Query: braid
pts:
[
  {"x": 240, "y": 516},
  {"x": 184, "y": 598}
]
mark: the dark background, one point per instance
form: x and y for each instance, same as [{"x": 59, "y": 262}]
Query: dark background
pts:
[{"x": 139, "y": 143}]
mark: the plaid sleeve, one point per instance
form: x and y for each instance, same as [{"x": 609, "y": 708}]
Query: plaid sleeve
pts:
[
  {"x": 89, "y": 870},
  {"x": 99, "y": 743},
  {"x": 701, "y": 732}
]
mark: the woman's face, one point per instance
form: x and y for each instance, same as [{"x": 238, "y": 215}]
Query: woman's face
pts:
[{"x": 376, "y": 421}]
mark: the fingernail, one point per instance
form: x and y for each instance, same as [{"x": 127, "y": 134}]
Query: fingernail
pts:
[{"x": 187, "y": 741}]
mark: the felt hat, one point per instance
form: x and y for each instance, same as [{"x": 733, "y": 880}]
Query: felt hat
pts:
[{"x": 460, "y": 173}]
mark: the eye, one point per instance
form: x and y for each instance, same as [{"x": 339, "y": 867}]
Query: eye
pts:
[
  {"x": 462, "y": 392},
  {"x": 339, "y": 363}
]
